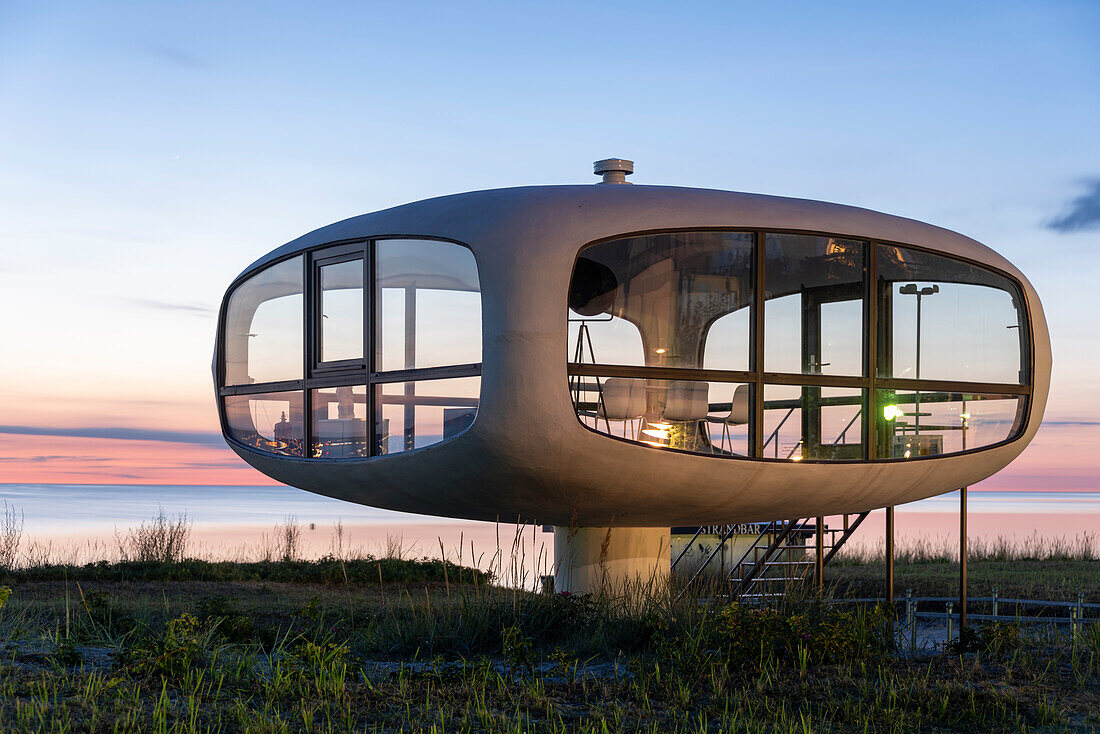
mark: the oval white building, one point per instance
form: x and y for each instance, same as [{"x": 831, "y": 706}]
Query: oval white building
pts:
[{"x": 630, "y": 356}]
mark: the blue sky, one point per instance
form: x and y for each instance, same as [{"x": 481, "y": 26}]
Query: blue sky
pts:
[{"x": 149, "y": 151}]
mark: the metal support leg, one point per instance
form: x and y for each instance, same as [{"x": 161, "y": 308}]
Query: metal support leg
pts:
[
  {"x": 890, "y": 557},
  {"x": 962, "y": 560},
  {"x": 819, "y": 557}
]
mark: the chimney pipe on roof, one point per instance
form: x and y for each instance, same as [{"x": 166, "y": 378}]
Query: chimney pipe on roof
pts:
[{"x": 614, "y": 170}]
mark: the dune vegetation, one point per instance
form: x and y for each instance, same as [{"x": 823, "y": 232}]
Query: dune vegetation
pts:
[{"x": 160, "y": 641}]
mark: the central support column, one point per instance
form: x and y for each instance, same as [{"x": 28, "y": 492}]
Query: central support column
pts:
[{"x": 610, "y": 559}]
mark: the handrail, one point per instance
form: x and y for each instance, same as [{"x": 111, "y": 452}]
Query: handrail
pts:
[
  {"x": 779, "y": 539},
  {"x": 973, "y": 599},
  {"x": 776, "y": 433},
  {"x": 844, "y": 538},
  {"x": 845, "y": 431},
  {"x": 686, "y": 548},
  {"x": 702, "y": 567}
]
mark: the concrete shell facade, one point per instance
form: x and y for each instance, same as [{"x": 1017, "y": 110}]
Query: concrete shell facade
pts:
[{"x": 527, "y": 456}]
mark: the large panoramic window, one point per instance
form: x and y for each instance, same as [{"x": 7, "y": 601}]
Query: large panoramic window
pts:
[
  {"x": 813, "y": 313},
  {"x": 317, "y": 365},
  {"x": 652, "y": 301},
  {"x": 262, "y": 338},
  {"x": 941, "y": 319},
  {"x": 429, "y": 305},
  {"x": 756, "y": 344}
]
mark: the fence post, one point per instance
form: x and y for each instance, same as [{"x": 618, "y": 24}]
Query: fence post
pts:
[
  {"x": 1073, "y": 622},
  {"x": 994, "y": 601},
  {"x": 911, "y": 617},
  {"x": 1080, "y": 606},
  {"x": 949, "y": 620}
]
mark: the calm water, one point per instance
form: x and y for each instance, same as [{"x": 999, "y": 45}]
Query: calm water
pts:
[
  {"x": 78, "y": 512},
  {"x": 68, "y": 509}
]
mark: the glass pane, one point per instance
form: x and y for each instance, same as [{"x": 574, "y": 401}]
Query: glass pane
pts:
[
  {"x": 810, "y": 422},
  {"x": 342, "y": 311},
  {"x": 412, "y": 415},
  {"x": 652, "y": 301},
  {"x": 604, "y": 340},
  {"x": 941, "y": 319},
  {"x": 702, "y": 417},
  {"x": 340, "y": 423},
  {"x": 428, "y": 304},
  {"x": 263, "y": 326},
  {"x": 813, "y": 315},
  {"x": 270, "y": 422},
  {"x": 915, "y": 423}
]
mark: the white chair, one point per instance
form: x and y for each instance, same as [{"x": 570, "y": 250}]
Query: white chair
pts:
[
  {"x": 623, "y": 399},
  {"x": 738, "y": 416},
  {"x": 687, "y": 401}
]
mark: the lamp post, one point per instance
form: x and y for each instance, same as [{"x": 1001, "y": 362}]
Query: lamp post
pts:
[{"x": 911, "y": 289}]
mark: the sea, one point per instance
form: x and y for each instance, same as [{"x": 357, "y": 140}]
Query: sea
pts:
[{"x": 82, "y": 522}]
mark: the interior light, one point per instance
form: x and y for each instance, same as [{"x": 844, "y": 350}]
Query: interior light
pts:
[
  {"x": 965, "y": 416},
  {"x": 661, "y": 350},
  {"x": 797, "y": 458},
  {"x": 890, "y": 412},
  {"x": 660, "y": 424},
  {"x": 660, "y": 433},
  {"x": 653, "y": 443}
]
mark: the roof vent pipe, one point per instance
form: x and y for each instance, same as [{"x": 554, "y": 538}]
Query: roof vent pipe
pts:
[{"x": 614, "y": 170}]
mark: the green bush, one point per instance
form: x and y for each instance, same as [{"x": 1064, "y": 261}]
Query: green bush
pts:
[
  {"x": 747, "y": 637},
  {"x": 327, "y": 570},
  {"x": 180, "y": 647}
]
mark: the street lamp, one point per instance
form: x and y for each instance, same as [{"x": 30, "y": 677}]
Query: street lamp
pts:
[{"x": 911, "y": 289}]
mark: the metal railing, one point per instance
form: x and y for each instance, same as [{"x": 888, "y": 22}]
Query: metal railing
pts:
[{"x": 907, "y": 626}]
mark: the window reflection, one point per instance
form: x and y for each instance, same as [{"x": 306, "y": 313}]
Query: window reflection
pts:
[
  {"x": 412, "y": 415},
  {"x": 684, "y": 301},
  {"x": 269, "y": 422},
  {"x": 429, "y": 304},
  {"x": 263, "y": 326},
  {"x": 670, "y": 288},
  {"x": 810, "y": 422},
  {"x": 914, "y": 424},
  {"x": 813, "y": 316},
  {"x": 701, "y": 417},
  {"x": 341, "y": 318},
  {"x": 340, "y": 423},
  {"x": 970, "y": 323},
  {"x": 604, "y": 340}
]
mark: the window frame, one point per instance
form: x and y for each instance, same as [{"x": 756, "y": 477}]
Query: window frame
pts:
[
  {"x": 869, "y": 382},
  {"x": 317, "y": 374}
]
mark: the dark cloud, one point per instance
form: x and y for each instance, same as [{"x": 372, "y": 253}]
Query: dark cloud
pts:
[
  {"x": 233, "y": 463},
  {"x": 197, "y": 309},
  {"x": 201, "y": 438},
  {"x": 1081, "y": 213},
  {"x": 1070, "y": 423},
  {"x": 42, "y": 458},
  {"x": 174, "y": 55}
]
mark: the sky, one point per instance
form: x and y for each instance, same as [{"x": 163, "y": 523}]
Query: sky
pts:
[{"x": 150, "y": 151}]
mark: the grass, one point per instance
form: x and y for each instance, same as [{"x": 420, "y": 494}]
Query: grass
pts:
[
  {"x": 342, "y": 643},
  {"x": 266, "y": 656},
  {"x": 1035, "y": 567}
]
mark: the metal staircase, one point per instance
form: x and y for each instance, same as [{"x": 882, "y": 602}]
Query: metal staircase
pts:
[{"x": 786, "y": 554}]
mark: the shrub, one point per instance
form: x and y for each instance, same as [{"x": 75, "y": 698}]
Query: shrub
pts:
[
  {"x": 163, "y": 540},
  {"x": 747, "y": 636},
  {"x": 11, "y": 535},
  {"x": 992, "y": 637},
  {"x": 181, "y": 647}
]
